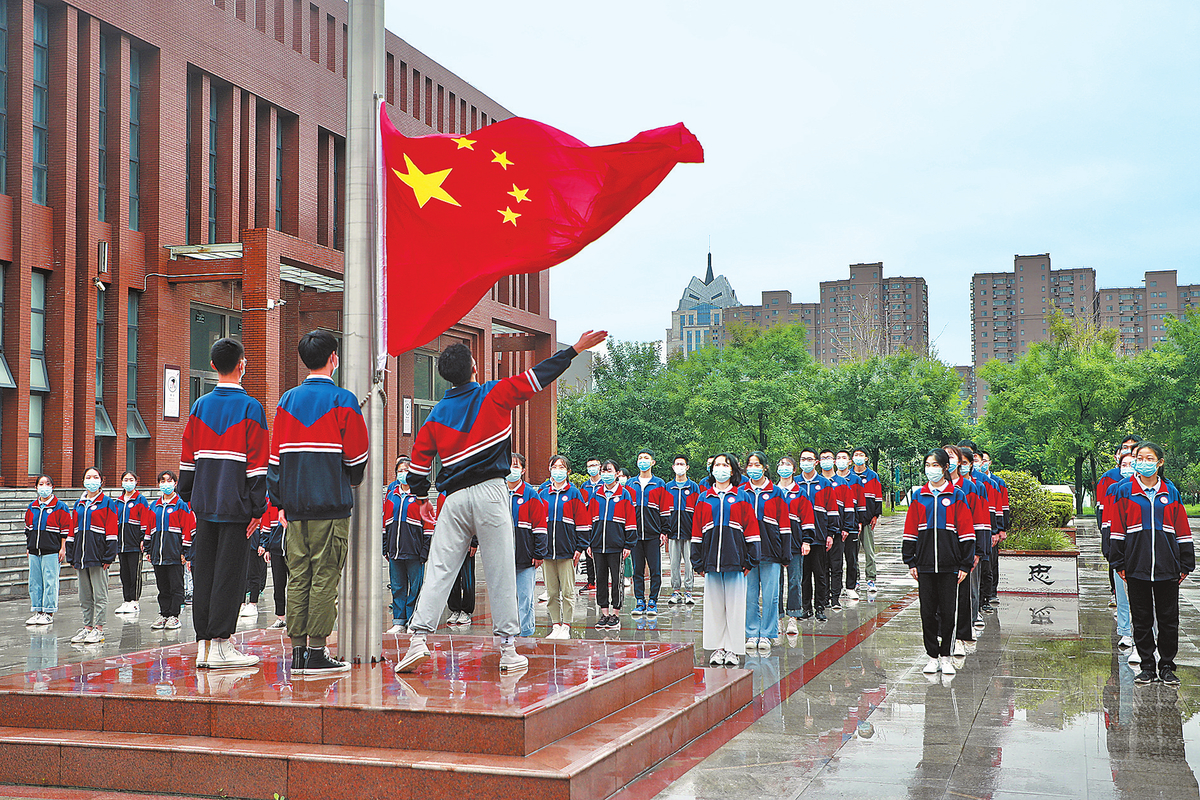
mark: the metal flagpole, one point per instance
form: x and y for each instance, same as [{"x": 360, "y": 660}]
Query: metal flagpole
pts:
[{"x": 360, "y": 620}]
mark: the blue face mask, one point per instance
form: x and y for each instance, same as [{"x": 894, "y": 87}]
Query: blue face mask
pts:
[
  {"x": 964, "y": 469},
  {"x": 91, "y": 484},
  {"x": 785, "y": 471},
  {"x": 1127, "y": 471},
  {"x": 607, "y": 478},
  {"x": 754, "y": 473},
  {"x": 934, "y": 474},
  {"x": 45, "y": 491},
  {"x": 1146, "y": 468}
]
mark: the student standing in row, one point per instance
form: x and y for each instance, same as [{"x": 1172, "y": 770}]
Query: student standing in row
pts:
[
  {"x": 134, "y": 521},
  {"x": 166, "y": 543},
  {"x": 614, "y": 531},
  {"x": 270, "y": 549},
  {"x": 725, "y": 542},
  {"x": 406, "y": 548},
  {"x": 774, "y": 520},
  {"x": 47, "y": 523},
  {"x": 1124, "y": 618},
  {"x": 981, "y": 528},
  {"x": 529, "y": 529},
  {"x": 682, "y": 496},
  {"x": 806, "y": 530},
  {"x": 91, "y": 548},
  {"x": 649, "y": 494},
  {"x": 854, "y": 498},
  {"x": 873, "y": 495},
  {"x": 846, "y": 517},
  {"x": 820, "y": 493},
  {"x": 568, "y": 525},
  {"x": 589, "y": 488},
  {"x": 1103, "y": 484}
]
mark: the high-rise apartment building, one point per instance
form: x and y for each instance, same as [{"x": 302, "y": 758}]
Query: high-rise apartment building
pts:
[{"x": 697, "y": 320}]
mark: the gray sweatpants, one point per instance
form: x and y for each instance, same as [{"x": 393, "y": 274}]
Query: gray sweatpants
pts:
[
  {"x": 481, "y": 510},
  {"x": 93, "y": 595}
]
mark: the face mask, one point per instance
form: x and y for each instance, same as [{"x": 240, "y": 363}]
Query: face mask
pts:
[
  {"x": 644, "y": 464},
  {"x": 514, "y": 475},
  {"x": 1146, "y": 468},
  {"x": 1127, "y": 471},
  {"x": 167, "y": 487},
  {"x": 722, "y": 474},
  {"x": 624, "y": 479},
  {"x": 983, "y": 467},
  {"x": 964, "y": 469},
  {"x": 807, "y": 466},
  {"x": 754, "y": 473},
  {"x": 826, "y": 464},
  {"x": 860, "y": 461},
  {"x": 91, "y": 484},
  {"x": 593, "y": 471},
  {"x": 402, "y": 477},
  {"x": 785, "y": 471},
  {"x": 842, "y": 463},
  {"x": 680, "y": 472},
  {"x": 953, "y": 464},
  {"x": 129, "y": 486},
  {"x": 608, "y": 478},
  {"x": 934, "y": 474},
  {"x": 558, "y": 475},
  {"x": 45, "y": 491}
]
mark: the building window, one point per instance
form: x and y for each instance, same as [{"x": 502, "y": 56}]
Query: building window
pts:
[
  {"x": 212, "y": 164},
  {"x": 279, "y": 175},
  {"x": 104, "y": 426},
  {"x": 3, "y": 96},
  {"x": 39, "y": 378},
  {"x": 35, "y": 433},
  {"x": 187, "y": 170},
  {"x": 135, "y": 120},
  {"x": 339, "y": 151},
  {"x": 6, "y": 378},
  {"x": 135, "y": 426},
  {"x": 102, "y": 137},
  {"x": 207, "y": 326},
  {"x": 41, "y": 104}
]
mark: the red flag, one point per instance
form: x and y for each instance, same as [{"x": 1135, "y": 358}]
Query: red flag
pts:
[{"x": 516, "y": 196}]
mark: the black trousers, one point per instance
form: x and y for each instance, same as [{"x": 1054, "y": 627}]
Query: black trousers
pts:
[
  {"x": 647, "y": 552},
  {"x": 589, "y": 567},
  {"x": 219, "y": 555},
  {"x": 994, "y": 589},
  {"x": 170, "y": 588},
  {"x": 985, "y": 577},
  {"x": 834, "y": 563},
  {"x": 608, "y": 580},
  {"x": 938, "y": 596},
  {"x": 131, "y": 575},
  {"x": 850, "y": 555},
  {"x": 965, "y": 621},
  {"x": 816, "y": 577},
  {"x": 462, "y": 593},
  {"x": 279, "y": 579},
  {"x": 1151, "y": 601},
  {"x": 256, "y": 574}
]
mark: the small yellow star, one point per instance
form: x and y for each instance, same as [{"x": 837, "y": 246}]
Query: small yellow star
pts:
[
  {"x": 502, "y": 159},
  {"x": 509, "y": 216},
  {"x": 522, "y": 195},
  {"x": 464, "y": 142},
  {"x": 426, "y": 186}
]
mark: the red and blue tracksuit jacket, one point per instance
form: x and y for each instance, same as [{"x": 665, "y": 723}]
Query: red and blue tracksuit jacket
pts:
[
  {"x": 725, "y": 534},
  {"x": 404, "y": 535},
  {"x": 806, "y": 526},
  {"x": 648, "y": 504},
  {"x": 1104, "y": 488},
  {"x": 977, "y": 500},
  {"x": 318, "y": 451},
  {"x": 47, "y": 523},
  {"x": 872, "y": 491},
  {"x": 820, "y": 493},
  {"x": 529, "y": 524},
  {"x": 134, "y": 519},
  {"x": 680, "y": 508},
  {"x": 470, "y": 429},
  {"x": 613, "y": 526},
  {"x": 851, "y": 503},
  {"x": 270, "y": 532},
  {"x": 1149, "y": 535},
  {"x": 774, "y": 516},
  {"x": 939, "y": 531},
  {"x": 169, "y": 537},
  {"x": 223, "y": 463},
  {"x": 92, "y": 541},
  {"x": 1105, "y": 533},
  {"x": 568, "y": 520}
]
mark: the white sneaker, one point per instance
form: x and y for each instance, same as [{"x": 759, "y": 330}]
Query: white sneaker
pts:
[
  {"x": 46, "y": 619},
  {"x": 764, "y": 646},
  {"x": 79, "y": 636},
  {"x": 134, "y": 607},
  {"x": 159, "y": 623},
  {"x": 122, "y": 609},
  {"x": 564, "y": 631},
  {"x": 226, "y": 656},
  {"x": 464, "y": 618},
  {"x": 248, "y": 610},
  {"x": 947, "y": 666},
  {"x": 1126, "y": 641},
  {"x": 792, "y": 627},
  {"x": 979, "y": 623},
  {"x": 718, "y": 658},
  {"x": 851, "y": 594},
  {"x": 35, "y": 619},
  {"x": 958, "y": 649},
  {"x": 202, "y": 648},
  {"x": 544, "y": 597},
  {"x": 731, "y": 659},
  {"x": 511, "y": 660},
  {"x": 94, "y": 636},
  {"x": 397, "y": 628},
  {"x": 932, "y": 667},
  {"x": 173, "y": 624},
  {"x": 971, "y": 646},
  {"x": 751, "y": 644},
  {"x": 417, "y": 654},
  {"x": 1134, "y": 658}
]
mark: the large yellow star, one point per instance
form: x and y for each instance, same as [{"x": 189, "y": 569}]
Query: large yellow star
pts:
[
  {"x": 509, "y": 216},
  {"x": 522, "y": 195},
  {"x": 464, "y": 142},
  {"x": 502, "y": 159},
  {"x": 426, "y": 186}
]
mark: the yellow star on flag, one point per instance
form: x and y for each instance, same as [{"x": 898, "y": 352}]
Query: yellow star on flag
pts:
[
  {"x": 522, "y": 195},
  {"x": 502, "y": 159},
  {"x": 509, "y": 216},
  {"x": 464, "y": 142},
  {"x": 426, "y": 186}
]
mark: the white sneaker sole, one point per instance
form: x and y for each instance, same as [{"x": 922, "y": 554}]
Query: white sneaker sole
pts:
[{"x": 410, "y": 664}]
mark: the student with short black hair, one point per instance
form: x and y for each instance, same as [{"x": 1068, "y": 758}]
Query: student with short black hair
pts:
[
  {"x": 847, "y": 516},
  {"x": 406, "y": 548},
  {"x": 873, "y": 495},
  {"x": 856, "y": 498},
  {"x": 270, "y": 549},
  {"x": 649, "y": 495},
  {"x": 815, "y": 592},
  {"x": 682, "y": 493}
]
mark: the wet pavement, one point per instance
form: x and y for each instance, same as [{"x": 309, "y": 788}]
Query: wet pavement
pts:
[{"x": 1045, "y": 707}]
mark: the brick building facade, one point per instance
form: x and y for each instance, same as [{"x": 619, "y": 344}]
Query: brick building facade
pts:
[{"x": 171, "y": 172}]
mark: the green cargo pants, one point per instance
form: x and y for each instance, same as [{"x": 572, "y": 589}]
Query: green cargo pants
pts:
[{"x": 316, "y": 552}]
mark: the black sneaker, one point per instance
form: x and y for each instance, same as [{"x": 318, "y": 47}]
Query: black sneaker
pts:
[
  {"x": 835, "y": 606},
  {"x": 986, "y": 608},
  {"x": 299, "y": 660},
  {"x": 821, "y": 615},
  {"x": 602, "y": 622},
  {"x": 1146, "y": 676},
  {"x": 319, "y": 662},
  {"x": 1168, "y": 676},
  {"x": 614, "y": 622},
  {"x": 806, "y": 614}
]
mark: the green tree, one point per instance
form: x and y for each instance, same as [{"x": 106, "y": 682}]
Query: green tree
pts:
[{"x": 1166, "y": 394}]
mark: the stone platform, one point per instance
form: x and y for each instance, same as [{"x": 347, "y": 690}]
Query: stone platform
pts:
[{"x": 584, "y": 720}]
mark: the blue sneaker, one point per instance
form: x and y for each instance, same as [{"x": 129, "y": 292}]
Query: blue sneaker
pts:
[
  {"x": 640, "y": 608},
  {"x": 652, "y": 608}
]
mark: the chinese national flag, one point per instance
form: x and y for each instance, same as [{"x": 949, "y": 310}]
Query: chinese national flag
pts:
[{"x": 513, "y": 197}]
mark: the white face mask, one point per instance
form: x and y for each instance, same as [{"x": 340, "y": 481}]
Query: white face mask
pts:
[
  {"x": 826, "y": 464},
  {"x": 860, "y": 461},
  {"x": 402, "y": 477},
  {"x": 842, "y": 463},
  {"x": 680, "y": 471},
  {"x": 167, "y": 488},
  {"x": 624, "y": 479},
  {"x": 934, "y": 474},
  {"x": 129, "y": 486},
  {"x": 48, "y": 491},
  {"x": 644, "y": 464},
  {"x": 953, "y": 465},
  {"x": 593, "y": 471},
  {"x": 513, "y": 476},
  {"x": 721, "y": 474},
  {"x": 558, "y": 475},
  {"x": 91, "y": 484},
  {"x": 807, "y": 465}
]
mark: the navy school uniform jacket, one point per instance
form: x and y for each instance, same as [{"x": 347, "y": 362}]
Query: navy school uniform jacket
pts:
[
  {"x": 404, "y": 535},
  {"x": 92, "y": 541},
  {"x": 939, "y": 531},
  {"x": 134, "y": 519},
  {"x": 529, "y": 524},
  {"x": 270, "y": 532},
  {"x": 1103, "y": 484},
  {"x": 223, "y": 459},
  {"x": 1105, "y": 522},
  {"x": 648, "y": 504},
  {"x": 47, "y": 523},
  {"x": 170, "y": 535},
  {"x": 872, "y": 491},
  {"x": 820, "y": 492},
  {"x": 804, "y": 521},
  {"x": 568, "y": 520},
  {"x": 680, "y": 507},
  {"x": 318, "y": 451},
  {"x": 1150, "y": 538},
  {"x": 470, "y": 428},
  {"x": 613, "y": 526},
  {"x": 977, "y": 500},
  {"x": 725, "y": 535},
  {"x": 774, "y": 517},
  {"x": 854, "y": 502}
]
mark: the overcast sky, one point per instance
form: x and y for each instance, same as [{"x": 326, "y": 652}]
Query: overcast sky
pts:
[{"x": 939, "y": 138}]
